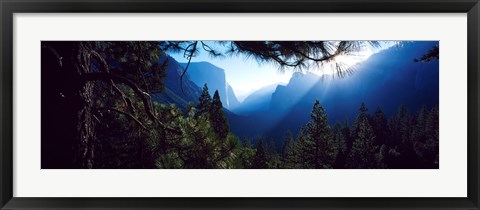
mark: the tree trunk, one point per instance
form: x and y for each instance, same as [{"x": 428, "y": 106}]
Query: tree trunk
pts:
[
  {"x": 69, "y": 104},
  {"x": 85, "y": 118},
  {"x": 86, "y": 127}
]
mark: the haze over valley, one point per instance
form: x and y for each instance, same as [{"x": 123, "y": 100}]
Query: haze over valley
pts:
[{"x": 271, "y": 111}]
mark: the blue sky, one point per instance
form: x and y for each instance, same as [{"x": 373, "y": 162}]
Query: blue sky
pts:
[
  {"x": 239, "y": 71},
  {"x": 246, "y": 75}
]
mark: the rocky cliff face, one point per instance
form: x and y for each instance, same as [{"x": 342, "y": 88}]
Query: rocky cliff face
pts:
[{"x": 202, "y": 73}]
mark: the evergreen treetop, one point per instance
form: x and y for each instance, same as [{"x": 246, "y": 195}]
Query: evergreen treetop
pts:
[
  {"x": 205, "y": 101},
  {"x": 217, "y": 117}
]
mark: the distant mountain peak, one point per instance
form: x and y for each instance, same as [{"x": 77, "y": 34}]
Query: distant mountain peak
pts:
[
  {"x": 203, "y": 72},
  {"x": 297, "y": 74}
]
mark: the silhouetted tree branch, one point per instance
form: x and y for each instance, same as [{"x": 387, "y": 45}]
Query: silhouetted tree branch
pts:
[
  {"x": 108, "y": 76},
  {"x": 432, "y": 54},
  {"x": 138, "y": 92},
  {"x": 286, "y": 54},
  {"x": 188, "y": 54},
  {"x": 123, "y": 113}
]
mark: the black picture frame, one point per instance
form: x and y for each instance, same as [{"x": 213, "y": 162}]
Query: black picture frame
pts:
[{"x": 9, "y": 7}]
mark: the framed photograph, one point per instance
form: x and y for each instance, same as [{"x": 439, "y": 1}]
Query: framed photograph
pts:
[{"x": 239, "y": 105}]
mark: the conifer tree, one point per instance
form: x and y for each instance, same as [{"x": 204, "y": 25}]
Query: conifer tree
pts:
[
  {"x": 394, "y": 127},
  {"x": 303, "y": 148},
  {"x": 340, "y": 144},
  {"x": 380, "y": 126},
  {"x": 217, "y": 117},
  {"x": 205, "y": 101},
  {"x": 408, "y": 155},
  {"x": 287, "y": 142},
  {"x": 432, "y": 142},
  {"x": 362, "y": 153},
  {"x": 273, "y": 158},
  {"x": 418, "y": 134},
  {"x": 246, "y": 154},
  {"x": 380, "y": 157},
  {"x": 289, "y": 152},
  {"x": 346, "y": 134},
  {"x": 259, "y": 160},
  {"x": 319, "y": 146},
  {"x": 401, "y": 153},
  {"x": 362, "y": 115},
  {"x": 405, "y": 125}
]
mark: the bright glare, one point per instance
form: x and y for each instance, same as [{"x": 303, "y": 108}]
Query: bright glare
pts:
[
  {"x": 345, "y": 61},
  {"x": 245, "y": 75}
]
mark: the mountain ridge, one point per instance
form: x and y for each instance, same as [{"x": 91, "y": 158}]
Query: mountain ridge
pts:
[
  {"x": 202, "y": 73},
  {"x": 386, "y": 79}
]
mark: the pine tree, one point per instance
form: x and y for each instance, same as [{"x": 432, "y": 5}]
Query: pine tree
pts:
[
  {"x": 432, "y": 133},
  {"x": 303, "y": 148},
  {"x": 287, "y": 141},
  {"x": 409, "y": 158},
  {"x": 217, "y": 117},
  {"x": 289, "y": 152},
  {"x": 405, "y": 125},
  {"x": 259, "y": 160},
  {"x": 380, "y": 157},
  {"x": 205, "y": 101},
  {"x": 362, "y": 153},
  {"x": 419, "y": 136},
  {"x": 380, "y": 126},
  {"x": 394, "y": 127},
  {"x": 346, "y": 134},
  {"x": 227, "y": 152},
  {"x": 340, "y": 144},
  {"x": 273, "y": 158},
  {"x": 246, "y": 154},
  {"x": 319, "y": 146}
]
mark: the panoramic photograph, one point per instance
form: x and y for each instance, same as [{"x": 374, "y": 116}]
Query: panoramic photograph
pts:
[{"x": 205, "y": 104}]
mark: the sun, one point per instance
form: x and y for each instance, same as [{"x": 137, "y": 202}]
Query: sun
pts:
[
  {"x": 348, "y": 61},
  {"x": 342, "y": 62}
]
